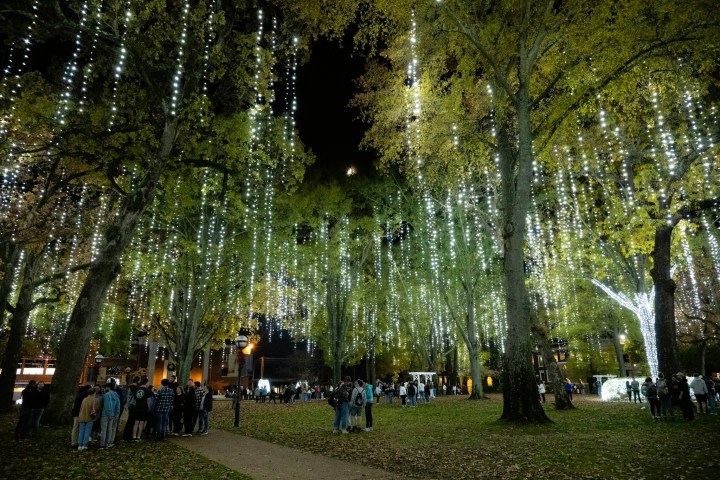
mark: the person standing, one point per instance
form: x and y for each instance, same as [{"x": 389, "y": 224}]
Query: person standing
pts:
[
  {"x": 635, "y": 386},
  {"x": 403, "y": 394},
  {"x": 110, "y": 415},
  {"x": 541, "y": 390},
  {"x": 38, "y": 403},
  {"x": 712, "y": 395},
  {"x": 341, "y": 396},
  {"x": 163, "y": 405},
  {"x": 411, "y": 392},
  {"x": 23, "y": 425},
  {"x": 130, "y": 423},
  {"x": 664, "y": 396},
  {"x": 198, "y": 405},
  {"x": 189, "y": 408},
  {"x": 142, "y": 409},
  {"x": 569, "y": 389},
  {"x": 178, "y": 410},
  {"x": 89, "y": 411},
  {"x": 651, "y": 393},
  {"x": 368, "y": 407},
  {"x": 701, "y": 393},
  {"x": 206, "y": 406},
  {"x": 684, "y": 397},
  {"x": 79, "y": 397}
]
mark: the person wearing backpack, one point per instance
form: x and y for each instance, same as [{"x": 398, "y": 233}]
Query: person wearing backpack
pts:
[
  {"x": 357, "y": 404},
  {"x": 651, "y": 393},
  {"x": 368, "y": 407},
  {"x": 341, "y": 396},
  {"x": 664, "y": 396}
]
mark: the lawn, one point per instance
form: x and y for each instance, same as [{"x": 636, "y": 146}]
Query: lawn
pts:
[
  {"x": 50, "y": 457},
  {"x": 453, "y": 438}
]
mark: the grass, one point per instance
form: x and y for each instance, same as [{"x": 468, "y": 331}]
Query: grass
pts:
[
  {"x": 451, "y": 438},
  {"x": 460, "y": 439},
  {"x": 50, "y": 457}
]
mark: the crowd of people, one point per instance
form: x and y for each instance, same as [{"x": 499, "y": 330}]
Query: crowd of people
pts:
[
  {"x": 664, "y": 395},
  {"x": 351, "y": 400},
  {"x": 151, "y": 413}
]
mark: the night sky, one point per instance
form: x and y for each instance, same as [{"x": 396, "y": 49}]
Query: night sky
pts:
[{"x": 326, "y": 124}]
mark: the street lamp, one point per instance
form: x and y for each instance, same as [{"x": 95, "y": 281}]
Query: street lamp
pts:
[{"x": 240, "y": 342}]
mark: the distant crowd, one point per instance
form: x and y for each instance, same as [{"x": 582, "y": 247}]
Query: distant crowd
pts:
[{"x": 351, "y": 400}]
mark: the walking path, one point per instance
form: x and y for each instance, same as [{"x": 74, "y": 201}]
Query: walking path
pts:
[{"x": 268, "y": 461}]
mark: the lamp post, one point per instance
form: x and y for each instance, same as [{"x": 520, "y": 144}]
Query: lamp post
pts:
[
  {"x": 98, "y": 361},
  {"x": 240, "y": 342}
]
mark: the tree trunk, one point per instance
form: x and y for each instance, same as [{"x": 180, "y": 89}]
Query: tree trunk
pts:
[
  {"x": 18, "y": 327},
  {"x": 474, "y": 351},
  {"x": 619, "y": 351},
  {"x": 520, "y": 397},
  {"x": 665, "y": 332},
  {"x": 555, "y": 374},
  {"x": 105, "y": 268},
  {"x": 701, "y": 356}
]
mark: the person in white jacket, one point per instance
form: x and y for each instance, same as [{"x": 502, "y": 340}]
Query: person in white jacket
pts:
[{"x": 701, "y": 392}]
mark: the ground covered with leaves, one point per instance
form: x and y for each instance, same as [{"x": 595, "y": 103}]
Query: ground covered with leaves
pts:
[
  {"x": 50, "y": 457},
  {"x": 453, "y": 438}
]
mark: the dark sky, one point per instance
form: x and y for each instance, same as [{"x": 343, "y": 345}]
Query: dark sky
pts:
[{"x": 326, "y": 124}]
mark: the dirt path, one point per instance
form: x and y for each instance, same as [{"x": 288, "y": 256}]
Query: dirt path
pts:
[{"x": 268, "y": 461}]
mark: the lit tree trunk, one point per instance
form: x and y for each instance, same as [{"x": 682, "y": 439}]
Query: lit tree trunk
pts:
[
  {"x": 336, "y": 301},
  {"x": 101, "y": 274},
  {"x": 474, "y": 348},
  {"x": 18, "y": 327},
  {"x": 520, "y": 397},
  {"x": 665, "y": 332},
  {"x": 619, "y": 351}
]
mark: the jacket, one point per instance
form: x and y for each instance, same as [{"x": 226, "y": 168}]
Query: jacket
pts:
[
  {"x": 111, "y": 404},
  {"x": 207, "y": 401},
  {"x": 86, "y": 407}
]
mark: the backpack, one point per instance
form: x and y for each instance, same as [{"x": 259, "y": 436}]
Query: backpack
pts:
[
  {"x": 359, "y": 399},
  {"x": 662, "y": 387},
  {"x": 131, "y": 399},
  {"x": 644, "y": 390},
  {"x": 332, "y": 401},
  {"x": 651, "y": 391}
]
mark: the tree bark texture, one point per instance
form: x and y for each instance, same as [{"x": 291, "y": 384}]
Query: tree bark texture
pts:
[
  {"x": 105, "y": 268},
  {"x": 520, "y": 397},
  {"x": 665, "y": 331},
  {"x": 18, "y": 327}
]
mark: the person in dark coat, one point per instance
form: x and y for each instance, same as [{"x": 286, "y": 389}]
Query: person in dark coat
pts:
[
  {"x": 39, "y": 401},
  {"x": 189, "y": 408},
  {"x": 178, "y": 410},
  {"x": 23, "y": 425}
]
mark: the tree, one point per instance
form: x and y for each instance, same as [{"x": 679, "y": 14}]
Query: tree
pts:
[{"x": 155, "y": 56}]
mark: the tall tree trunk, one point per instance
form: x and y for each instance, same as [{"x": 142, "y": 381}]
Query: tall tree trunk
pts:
[
  {"x": 520, "y": 397},
  {"x": 701, "y": 356},
  {"x": 18, "y": 327},
  {"x": 665, "y": 332},
  {"x": 105, "y": 268},
  {"x": 474, "y": 348},
  {"x": 617, "y": 344}
]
